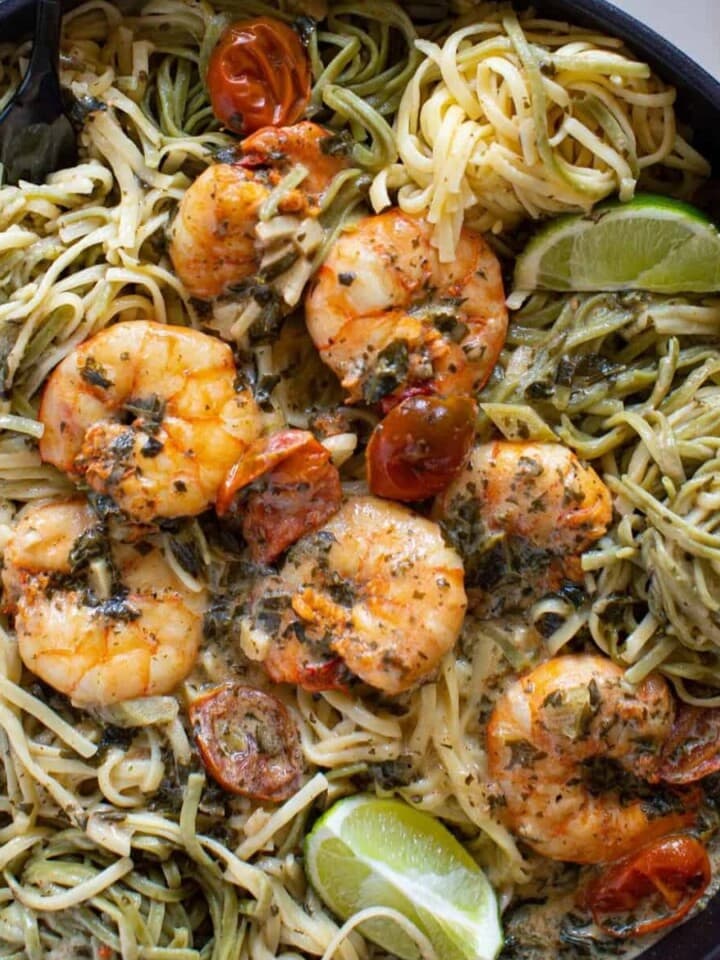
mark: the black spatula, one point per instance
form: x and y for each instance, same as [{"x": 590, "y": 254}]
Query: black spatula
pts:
[{"x": 36, "y": 136}]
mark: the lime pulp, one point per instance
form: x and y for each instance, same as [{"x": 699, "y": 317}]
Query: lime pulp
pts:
[
  {"x": 367, "y": 852},
  {"x": 651, "y": 243}
]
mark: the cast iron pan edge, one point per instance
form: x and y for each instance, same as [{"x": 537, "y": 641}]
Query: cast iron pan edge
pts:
[{"x": 699, "y": 97}]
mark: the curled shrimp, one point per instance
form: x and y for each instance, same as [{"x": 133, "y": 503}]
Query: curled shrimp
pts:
[
  {"x": 140, "y": 640},
  {"x": 570, "y": 746},
  {"x": 389, "y": 318},
  {"x": 375, "y": 592},
  {"x": 524, "y": 509},
  {"x": 149, "y": 414},
  {"x": 218, "y": 239}
]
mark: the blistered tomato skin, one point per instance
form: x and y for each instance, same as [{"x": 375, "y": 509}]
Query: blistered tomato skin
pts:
[
  {"x": 653, "y": 888},
  {"x": 419, "y": 447},
  {"x": 248, "y": 742},
  {"x": 258, "y": 75},
  {"x": 296, "y": 489}
]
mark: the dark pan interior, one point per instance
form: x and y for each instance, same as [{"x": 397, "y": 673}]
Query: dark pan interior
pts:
[{"x": 699, "y": 98}]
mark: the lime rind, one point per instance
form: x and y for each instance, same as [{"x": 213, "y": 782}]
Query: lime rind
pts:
[
  {"x": 654, "y": 202},
  {"x": 369, "y": 852},
  {"x": 651, "y": 243}
]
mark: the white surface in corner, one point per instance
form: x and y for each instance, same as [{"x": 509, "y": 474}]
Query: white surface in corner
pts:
[{"x": 692, "y": 25}]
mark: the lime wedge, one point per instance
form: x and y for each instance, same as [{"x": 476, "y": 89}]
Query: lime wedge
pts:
[
  {"x": 651, "y": 243},
  {"x": 366, "y": 852}
]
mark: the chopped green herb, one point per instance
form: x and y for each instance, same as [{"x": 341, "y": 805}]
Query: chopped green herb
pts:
[
  {"x": 389, "y": 372},
  {"x": 524, "y": 754},
  {"x": 150, "y": 411},
  {"x": 152, "y": 447},
  {"x": 94, "y": 373}
]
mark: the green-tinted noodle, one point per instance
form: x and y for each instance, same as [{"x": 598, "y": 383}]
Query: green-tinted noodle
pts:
[{"x": 632, "y": 382}]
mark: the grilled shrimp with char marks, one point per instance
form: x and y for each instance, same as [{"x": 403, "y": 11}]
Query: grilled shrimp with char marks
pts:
[
  {"x": 375, "y": 592},
  {"x": 140, "y": 641},
  {"x": 570, "y": 746},
  {"x": 214, "y": 242},
  {"x": 151, "y": 415},
  {"x": 389, "y": 318}
]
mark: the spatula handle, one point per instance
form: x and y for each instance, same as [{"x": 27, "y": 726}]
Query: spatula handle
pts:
[
  {"x": 45, "y": 56},
  {"x": 42, "y": 82}
]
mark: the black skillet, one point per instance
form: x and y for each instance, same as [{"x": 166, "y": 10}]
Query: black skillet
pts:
[{"x": 699, "y": 100}]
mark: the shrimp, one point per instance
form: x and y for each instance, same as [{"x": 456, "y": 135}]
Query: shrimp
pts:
[
  {"x": 140, "y": 641},
  {"x": 529, "y": 509},
  {"x": 538, "y": 491},
  {"x": 214, "y": 243},
  {"x": 375, "y": 592},
  {"x": 570, "y": 747},
  {"x": 387, "y": 316},
  {"x": 150, "y": 415}
]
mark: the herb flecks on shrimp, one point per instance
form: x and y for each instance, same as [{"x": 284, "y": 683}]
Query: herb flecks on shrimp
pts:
[
  {"x": 330, "y": 651},
  {"x": 389, "y": 318},
  {"x": 571, "y": 747},
  {"x": 250, "y": 228},
  {"x": 376, "y": 593},
  {"x": 151, "y": 415},
  {"x": 525, "y": 509},
  {"x": 132, "y": 630}
]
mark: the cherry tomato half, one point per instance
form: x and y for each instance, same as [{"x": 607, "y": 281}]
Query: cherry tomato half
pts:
[
  {"x": 653, "y": 888},
  {"x": 418, "y": 448},
  {"x": 247, "y": 741},
  {"x": 258, "y": 75},
  {"x": 693, "y": 749},
  {"x": 300, "y": 489},
  {"x": 258, "y": 459},
  {"x": 291, "y": 661}
]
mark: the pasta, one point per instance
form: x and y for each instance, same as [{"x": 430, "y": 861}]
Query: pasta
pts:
[
  {"x": 532, "y": 118},
  {"x": 657, "y": 454},
  {"x": 113, "y": 841}
]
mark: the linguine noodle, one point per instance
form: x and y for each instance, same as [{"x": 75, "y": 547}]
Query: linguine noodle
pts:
[{"x": 514, "y": 116}]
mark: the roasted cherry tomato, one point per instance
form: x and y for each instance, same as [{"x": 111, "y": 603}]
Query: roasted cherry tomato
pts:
[
  {"x": 693, "y": 750},
  {"x": 651, "y": 889},
  {"x": 258, "y": 459},
  {"x": 296, "y": 488},
  {"x": 258, "y": 75},
  {"x": 418, "y": 448},
  {"x": 292, "y": 661},
  {"x": 247, "y": 741},
  {"x": 392, "y": 400}
]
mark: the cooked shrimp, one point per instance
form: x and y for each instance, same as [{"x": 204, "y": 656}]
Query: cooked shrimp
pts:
[
  {"x": 274, "y": 151},
  {"x": 140, "y": 641},
  {"x": 386, "y": 315},
  {"x": 149, "y": 414},
  {"x": 570, "y": 745},
  {"x": 376, "y": 589},
  {"x": 524, "y": 511},
  {"x": 540, "y": 492},
  {"x": 214, "y": 242}
]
